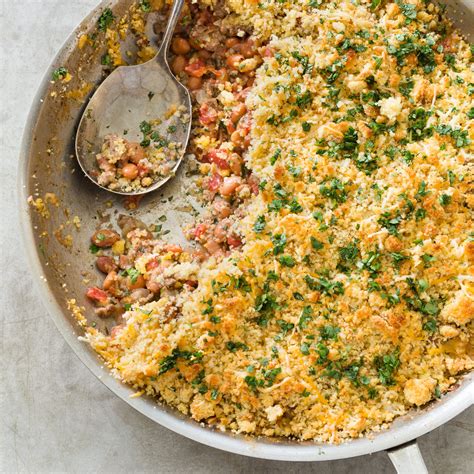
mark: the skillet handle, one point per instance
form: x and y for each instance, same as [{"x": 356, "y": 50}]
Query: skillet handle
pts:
[{"x": 407, "y": 458}]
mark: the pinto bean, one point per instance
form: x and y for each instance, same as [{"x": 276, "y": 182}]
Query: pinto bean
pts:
[
  {"x": 135, "y": 283},
  {"x": 106, "y": 311},
  {"x": 248, "y": 65},
  {"x": 180, "y": 46},
  {"x": 236, "y": 138},
  {"x": 231, "y": 42},
  {"x": 140, "y": 294},
  {"x": 229, "y": 185},
  {"x": 135, "y": 152},
  {"x": 250, "y": 81},
  {"x": 194, "y": 83},
  {"x": 238, "y": 112},
  {"x": 153, "y": 286},
  {"x": 130, "y": 171},
  {"x": 128, "y": 223},
  {"x": 221, "y": 208},
  {"x": 178, "y": 64},
  {"x": 212, "y": 247},
  {"x": 220, "y": 232},
  {"x": 234, "y": 60},
  {"x": 191, "y": 283},
  {"x": 105, "y": 238},
  {"x": 110, "y": 282},
  {"x": 235, "y": 162},
  {"x": 106, "y": 264},
  {"x": 203, "y": 54},
  {"x": 254, "y": 183},
  {"x": 247, "y": 48}
]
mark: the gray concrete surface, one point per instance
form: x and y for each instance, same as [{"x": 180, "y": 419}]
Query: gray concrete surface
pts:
[{"x": 54, "y": 415}]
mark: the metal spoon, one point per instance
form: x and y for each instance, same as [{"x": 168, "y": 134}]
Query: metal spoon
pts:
[{"x": 129, "y": 96}]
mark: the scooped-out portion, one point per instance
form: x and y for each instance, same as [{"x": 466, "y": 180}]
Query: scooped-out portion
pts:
[{"x": 131, "y": 166}]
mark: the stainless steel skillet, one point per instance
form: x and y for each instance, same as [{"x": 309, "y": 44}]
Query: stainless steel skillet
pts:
[{"x": 48, "y": 166}]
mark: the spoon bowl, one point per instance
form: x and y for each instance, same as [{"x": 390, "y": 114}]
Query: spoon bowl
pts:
[{"x": 129, "y": 96}]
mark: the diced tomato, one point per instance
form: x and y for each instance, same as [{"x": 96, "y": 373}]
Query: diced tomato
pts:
[
  {"x": 196, "y": 68},
  {"x": 98, "y": 295},
  {"x": 200, "y": 230},
  {"x": 207, "y": 115},
  {"x": 152, "y": 264},
  {"x": 220, "y": 74},
  {"x": 234, "y": 241},
  {"x": 143, "y": 170},
  {"x": 214, "y": 182},
  {"x": 219, "y": 157}
]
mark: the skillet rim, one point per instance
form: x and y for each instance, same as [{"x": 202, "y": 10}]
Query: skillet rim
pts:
[{"x": 403, "y": 429}]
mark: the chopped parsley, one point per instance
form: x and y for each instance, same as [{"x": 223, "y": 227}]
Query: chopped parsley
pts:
[
  {"x": 390, "y": 221},
  {"x": 287, "y": 261},
  {"x": 329, "y": 332},
  {"x": 59, "y": 73},
  {"x": 334, "y": 189},
  {"x": 259, "y": 224},
  {"x": 235, "y": 346},
  {"x": 306, "y": 317},
  {"x": 386, "y": 366},
  {"x": 445, "y": 199},
  {"x": 275, "y": 156},
  {"x": 169, "y": 362},
  {"x": 105, "y": 19},
  {"x": 279, "y": 243},
  {"x": 348, "y": 256},
  {"x": 145, "y": 5},
  {"x": 417, "y": 124},
  {"x": 316, "y": 244},
  {"x": 324, "y": 285}
]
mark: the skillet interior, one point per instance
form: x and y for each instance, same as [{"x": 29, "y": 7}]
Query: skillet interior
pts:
[{"x": 49, "y": 166}]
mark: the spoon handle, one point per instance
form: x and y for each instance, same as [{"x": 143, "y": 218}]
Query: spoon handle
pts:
[{"x": 172, "y": 20}]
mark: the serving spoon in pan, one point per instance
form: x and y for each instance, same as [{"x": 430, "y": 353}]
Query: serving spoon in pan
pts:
[{"x": 129, "y": 96}]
